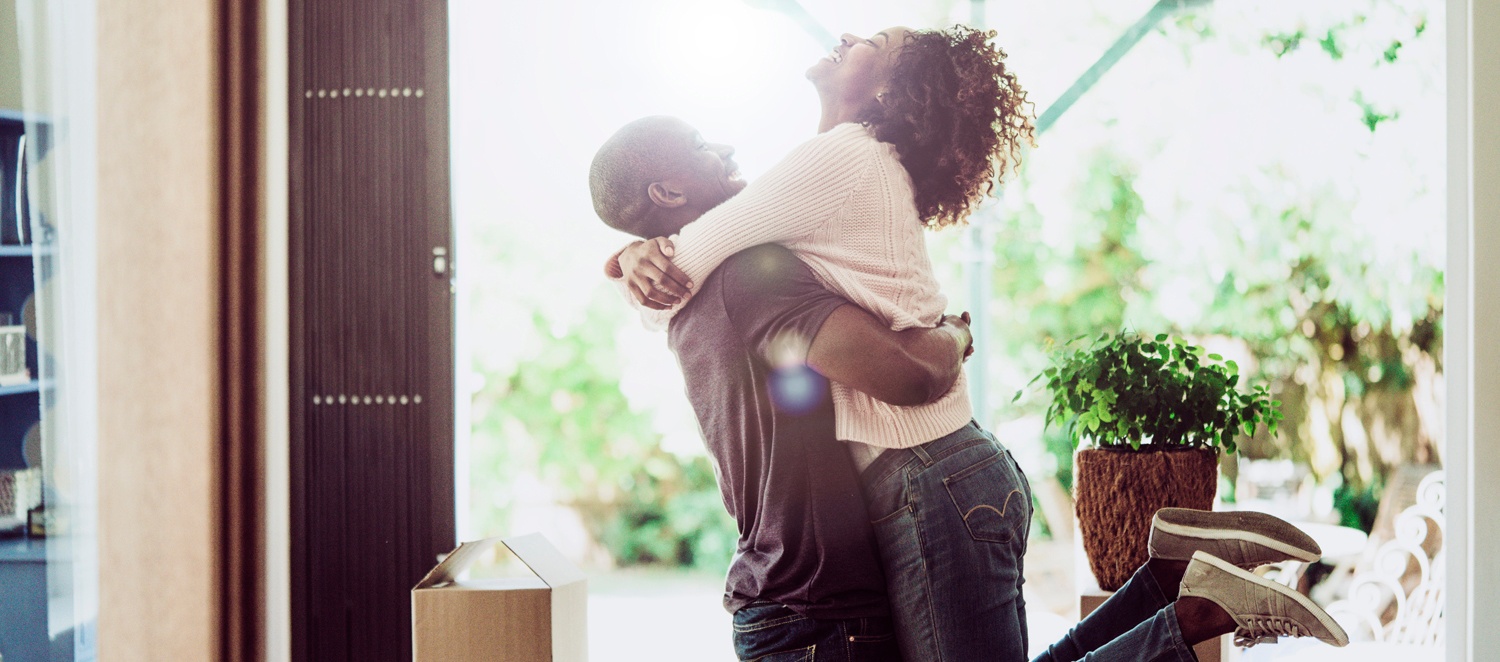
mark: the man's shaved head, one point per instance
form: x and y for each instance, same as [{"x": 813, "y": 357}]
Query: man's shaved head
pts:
[
  {"x": 625, "y": 165},
  {"x": 690, "y": 176}
]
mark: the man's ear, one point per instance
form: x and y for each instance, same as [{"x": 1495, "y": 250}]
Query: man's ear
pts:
[{"x": 666, "y": 194}]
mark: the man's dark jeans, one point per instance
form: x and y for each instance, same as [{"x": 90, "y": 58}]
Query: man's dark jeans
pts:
[{"x": 769, "y": 632}]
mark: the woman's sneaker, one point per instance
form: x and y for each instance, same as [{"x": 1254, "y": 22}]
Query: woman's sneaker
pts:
[
  {"x": 1262, "y": 609},
  {"x": 1243, "y": 538}
]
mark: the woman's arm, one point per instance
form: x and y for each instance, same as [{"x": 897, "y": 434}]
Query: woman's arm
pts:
[{"x": 806, "y": 189}]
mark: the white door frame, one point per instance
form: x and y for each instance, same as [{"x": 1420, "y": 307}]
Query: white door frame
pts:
[{"x": 1472, "y": 361}]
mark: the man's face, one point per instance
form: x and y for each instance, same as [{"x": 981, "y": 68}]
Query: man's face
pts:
[{"x": 704, "y": 171}]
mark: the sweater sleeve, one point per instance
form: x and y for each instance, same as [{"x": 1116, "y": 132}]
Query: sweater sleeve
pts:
[
  {"x": 810, "y": 186},
  {"x": 791, "y": 201}
]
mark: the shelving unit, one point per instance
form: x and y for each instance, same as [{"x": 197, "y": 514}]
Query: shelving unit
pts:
[
  {"x": 23, "y": 268},
  {"x": 20, "y": 273}
]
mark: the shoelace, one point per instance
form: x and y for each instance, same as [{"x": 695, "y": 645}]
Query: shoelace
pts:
[{"x": 1265, "y": 629}]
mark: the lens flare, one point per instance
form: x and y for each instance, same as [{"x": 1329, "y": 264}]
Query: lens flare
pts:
[{"x": 796, "y": 389}]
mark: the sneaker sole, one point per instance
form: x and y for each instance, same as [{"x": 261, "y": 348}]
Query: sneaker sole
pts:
[
  {"x": 1340, "y": 637},
  {"x": 1258, "y": 528}
]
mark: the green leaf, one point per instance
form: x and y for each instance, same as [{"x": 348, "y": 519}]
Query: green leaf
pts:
[
  {"x": 1018, "y": 395},
  {"x": 1161, "y": 337},
  {"x": 1215, "y": 357},
  {"x": 1331, "y": 46}
]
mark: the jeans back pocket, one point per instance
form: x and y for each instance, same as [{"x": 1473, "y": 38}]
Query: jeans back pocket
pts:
[{"x": 991, "y": 499}]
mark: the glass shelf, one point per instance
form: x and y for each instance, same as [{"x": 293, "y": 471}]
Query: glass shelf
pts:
[
  {"x": 23, "y": 250},
  {"x": 28, "y": 387},
  {"x": 14, "y": 115}
]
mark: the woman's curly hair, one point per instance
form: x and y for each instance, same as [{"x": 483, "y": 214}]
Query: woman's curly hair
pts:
[{"x": 957, "y": 117}]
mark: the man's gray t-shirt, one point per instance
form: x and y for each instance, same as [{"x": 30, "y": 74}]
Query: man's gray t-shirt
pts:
[{"x": 804, "y": 534}]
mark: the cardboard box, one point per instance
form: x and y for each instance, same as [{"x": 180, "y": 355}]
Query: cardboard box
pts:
[{"x": 525, "y": 619}]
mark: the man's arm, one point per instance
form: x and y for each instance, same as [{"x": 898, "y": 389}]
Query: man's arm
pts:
[
  {"x": 787, "y": 316},
  {"x": 910, "y": 367}
]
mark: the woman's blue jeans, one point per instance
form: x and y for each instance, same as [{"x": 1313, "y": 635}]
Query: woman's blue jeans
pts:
[{"x": 952, "y": 521}]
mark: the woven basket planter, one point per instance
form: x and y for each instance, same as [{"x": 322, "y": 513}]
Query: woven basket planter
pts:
[{"x": 1116, "y": 492}]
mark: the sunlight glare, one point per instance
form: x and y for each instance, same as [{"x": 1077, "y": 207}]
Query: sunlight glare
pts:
[{"x": 723, "y": 50}]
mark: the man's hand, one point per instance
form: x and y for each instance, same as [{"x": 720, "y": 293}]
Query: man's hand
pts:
[{"x": 650, "y": 275}]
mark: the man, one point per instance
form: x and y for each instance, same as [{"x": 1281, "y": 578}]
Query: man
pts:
[
  {"x": 806, "y": 576},
  {"x": 755, "y": 344}
]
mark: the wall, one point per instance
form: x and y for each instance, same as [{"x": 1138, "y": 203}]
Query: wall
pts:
[
  {"x": 157, "y": 160},
  {"x": 10, "y": 58}
]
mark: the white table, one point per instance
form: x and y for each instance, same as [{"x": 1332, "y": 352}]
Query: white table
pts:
[{"x": 1340, "y": 543}]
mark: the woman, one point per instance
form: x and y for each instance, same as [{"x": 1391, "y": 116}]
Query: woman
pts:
[{"x": 914, "y": 128}]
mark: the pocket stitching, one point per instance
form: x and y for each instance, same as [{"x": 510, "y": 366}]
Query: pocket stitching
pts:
[
  {"x": 960, "y": 447},
  {"x": 761, "y": 625},
  {"x": 967, "y": 472},
  {"x": 808, "y": 654},
  {"x": 899, "y": 511},
  {"x": 973, "y": 468}
]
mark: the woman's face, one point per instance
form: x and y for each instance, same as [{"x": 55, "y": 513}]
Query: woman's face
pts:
[{"x": 858, "y": 68}]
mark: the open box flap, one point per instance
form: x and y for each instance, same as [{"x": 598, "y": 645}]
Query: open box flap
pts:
[
  {"x": 533, "y": 549},
  {"x": 544, "y": 559},
  {"x": 456, "y": 562}
]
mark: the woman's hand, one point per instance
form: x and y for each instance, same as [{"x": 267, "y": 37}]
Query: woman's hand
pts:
[{"x": 650, "y": 275}]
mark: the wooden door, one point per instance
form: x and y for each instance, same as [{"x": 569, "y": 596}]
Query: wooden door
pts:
[{"x": 371, "y": 309}]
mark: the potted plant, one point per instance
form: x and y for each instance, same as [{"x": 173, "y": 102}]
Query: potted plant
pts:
[{"x": 1149, "y": 416}]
